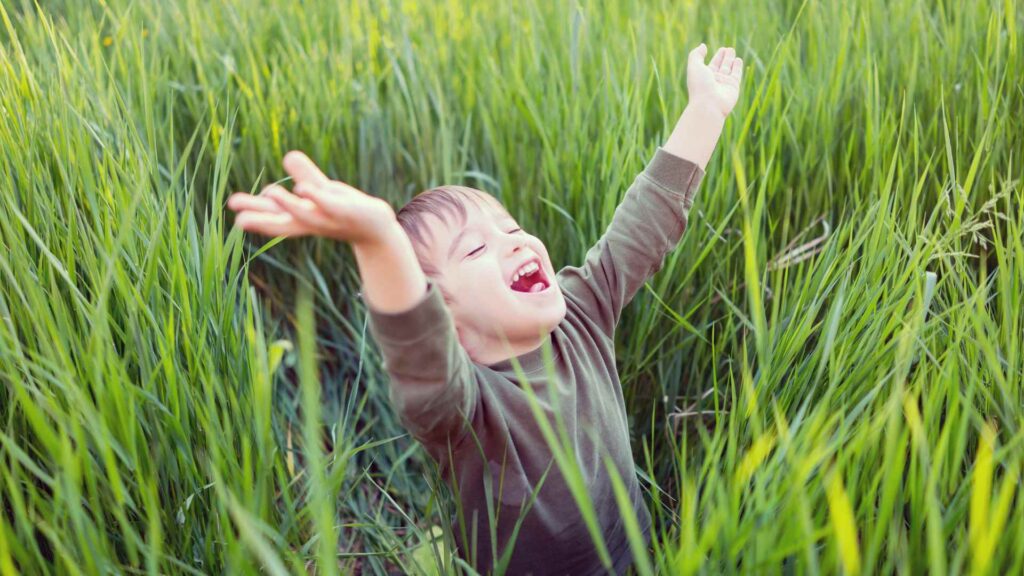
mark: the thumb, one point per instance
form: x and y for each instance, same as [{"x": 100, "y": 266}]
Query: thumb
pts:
[
  {"x": 698, "y": 54},
  {"x": 302, "y": 169}
]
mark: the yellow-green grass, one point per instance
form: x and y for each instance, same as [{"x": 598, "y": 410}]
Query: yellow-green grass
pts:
[{"x": 178, "y": 398}]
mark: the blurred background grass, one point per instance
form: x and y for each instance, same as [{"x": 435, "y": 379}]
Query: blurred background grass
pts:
[{"x": 825, "y": 377}]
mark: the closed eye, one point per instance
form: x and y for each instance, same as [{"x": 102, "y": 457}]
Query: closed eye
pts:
[{"x": 482, "y": 246}]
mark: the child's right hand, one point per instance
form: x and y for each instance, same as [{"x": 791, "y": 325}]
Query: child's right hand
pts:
[{"x": 319, "y": 206}]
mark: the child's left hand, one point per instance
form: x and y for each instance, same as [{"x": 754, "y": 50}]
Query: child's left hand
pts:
[{"x": 717, "y": 84}]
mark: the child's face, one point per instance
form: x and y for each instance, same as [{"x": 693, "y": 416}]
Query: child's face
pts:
[{"x": 488, "y": 290}]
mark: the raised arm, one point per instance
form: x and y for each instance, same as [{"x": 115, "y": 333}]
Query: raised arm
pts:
[
  {"x": 654, "y": 213},
  {"x": 714, "y": 90},
  {"x": 433, "y": 383},
  {"x": 318, "y": 206}
]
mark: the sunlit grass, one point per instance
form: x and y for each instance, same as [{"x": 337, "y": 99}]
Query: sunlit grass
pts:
[{"x": 824, "y": 378}]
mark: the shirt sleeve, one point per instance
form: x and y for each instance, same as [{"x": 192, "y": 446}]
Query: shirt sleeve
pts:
[
  {"x": 434, "y": 386},
  {"x": 647, "y": 224}
]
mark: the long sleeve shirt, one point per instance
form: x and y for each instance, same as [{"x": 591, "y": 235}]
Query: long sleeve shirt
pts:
[{"x": 476, "y": 422}]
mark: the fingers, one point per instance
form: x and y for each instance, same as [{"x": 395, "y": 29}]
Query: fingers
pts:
[
  {"x": 698, "y": 54},
  {"x": 737, "y": 69},
  {"x": 302, "y": 169},
  {"x": 304, "y": 210},
  {"x": 332, "y": 201},
  {"x": 336, "y": 199},
  {"x": 311, "y": 190},
  {"x": 269, "y": 224},
  {"x": 716, "y": 62},
  {"x": 240, "y": 201},
  {"x": 314, "y": 205},
  {"x": 727, "y": 60},
  {"x": 285, "y": 200},
  {"x": 263, "y": 202}
]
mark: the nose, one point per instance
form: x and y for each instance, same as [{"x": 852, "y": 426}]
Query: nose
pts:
[{"x": 518, "y": 242}]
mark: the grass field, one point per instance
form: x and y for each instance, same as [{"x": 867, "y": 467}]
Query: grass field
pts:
[{"x": 826, "y": 376}]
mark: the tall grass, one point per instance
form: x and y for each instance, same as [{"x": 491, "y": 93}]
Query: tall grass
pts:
[{"x": 825, "y": 377}]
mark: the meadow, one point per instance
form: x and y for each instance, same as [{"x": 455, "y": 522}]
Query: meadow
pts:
[{"x": 825, "y": 377}]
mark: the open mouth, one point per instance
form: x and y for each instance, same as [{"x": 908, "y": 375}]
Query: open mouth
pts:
[{"x": 530, "y": 278}]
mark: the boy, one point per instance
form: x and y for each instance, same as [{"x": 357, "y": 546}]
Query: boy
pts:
[{"x": 457, "y": 293}]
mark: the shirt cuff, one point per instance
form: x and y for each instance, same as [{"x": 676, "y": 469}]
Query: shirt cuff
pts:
[
  {"x": 425, "y": 318},
  {"x": 674, "y": 174}
]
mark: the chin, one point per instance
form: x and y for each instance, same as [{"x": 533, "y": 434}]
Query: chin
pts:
[
  {"x": 543, "y": 321},
  {"x": 558, "y": 311}
]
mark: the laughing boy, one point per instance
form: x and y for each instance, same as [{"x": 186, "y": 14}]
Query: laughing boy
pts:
[{"x": 459, "y": 294}]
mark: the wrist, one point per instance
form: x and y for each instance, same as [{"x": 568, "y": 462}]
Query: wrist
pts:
[
  {"x": 706, "y": 108},
  {"x": 391, "y": 276},
  {"x": 696, "y": 133},
  {"x": 385, "y": 236},
  {"x": 377, "y": 224}
]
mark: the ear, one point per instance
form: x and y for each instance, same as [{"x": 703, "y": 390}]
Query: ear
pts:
[{"x": 445, "y": 296}]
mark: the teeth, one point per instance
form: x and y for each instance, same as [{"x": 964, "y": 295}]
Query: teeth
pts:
[{"x": 526, "y": 270}]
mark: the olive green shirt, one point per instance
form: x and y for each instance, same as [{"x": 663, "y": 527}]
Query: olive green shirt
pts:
[{"x": 476, "y": 422}]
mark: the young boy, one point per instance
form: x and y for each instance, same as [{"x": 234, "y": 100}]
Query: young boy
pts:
[{"x": 456, "y": 292}]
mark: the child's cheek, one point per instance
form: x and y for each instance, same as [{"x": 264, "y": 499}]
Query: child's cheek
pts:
[
  {"x": 479, "y": 275},
  {"x": 542, "y": 250}
]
